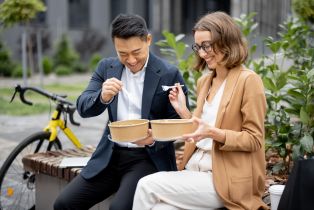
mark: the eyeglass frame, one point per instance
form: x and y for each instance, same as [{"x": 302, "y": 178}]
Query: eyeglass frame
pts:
[{"x": 203, "y": 47}]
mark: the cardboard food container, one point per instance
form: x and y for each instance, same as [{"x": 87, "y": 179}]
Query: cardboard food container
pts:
[
  {"x": 128, "y": 130},
  {"x": 170, "y": 129}
]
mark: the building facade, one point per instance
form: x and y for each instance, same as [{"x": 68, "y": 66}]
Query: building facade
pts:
[{"x": 75, "y": 17}]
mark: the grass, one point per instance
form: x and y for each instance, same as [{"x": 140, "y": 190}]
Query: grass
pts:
[{"x": 40, "y": 103}]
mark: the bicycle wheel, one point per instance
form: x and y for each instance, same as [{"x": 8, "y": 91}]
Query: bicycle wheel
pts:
[{"x": 17, "y": 186}]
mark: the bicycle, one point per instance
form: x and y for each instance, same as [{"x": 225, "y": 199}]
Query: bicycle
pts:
[{"x": 17, "y": 185}]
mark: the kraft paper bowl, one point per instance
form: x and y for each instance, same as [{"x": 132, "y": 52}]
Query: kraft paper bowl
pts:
[
  {"x": 170, "y": 129},
  {"x": 129, "y": 130}
]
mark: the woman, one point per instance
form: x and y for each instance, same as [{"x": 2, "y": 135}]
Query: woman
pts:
[{"x": 224, "y": 160}]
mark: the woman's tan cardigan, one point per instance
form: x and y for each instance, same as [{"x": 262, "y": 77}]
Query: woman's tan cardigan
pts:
[{"x": 239, "y": 164}]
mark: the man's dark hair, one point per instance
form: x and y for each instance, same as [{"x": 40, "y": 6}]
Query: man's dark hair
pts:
[{"x": 126, "y": 26}]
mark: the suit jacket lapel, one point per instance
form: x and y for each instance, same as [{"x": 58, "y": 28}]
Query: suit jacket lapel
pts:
[
  {"x": 150, "y": 84},
  {"x": 116, "y": 72}
]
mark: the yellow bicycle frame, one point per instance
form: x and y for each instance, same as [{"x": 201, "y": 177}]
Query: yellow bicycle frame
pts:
[{"x": 52, "y": 127}]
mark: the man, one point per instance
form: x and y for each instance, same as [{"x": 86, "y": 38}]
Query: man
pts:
[{"x": 117, "y": 167}]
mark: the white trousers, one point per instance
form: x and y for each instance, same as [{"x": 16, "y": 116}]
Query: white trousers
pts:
[{"x": 178, "y": 190}]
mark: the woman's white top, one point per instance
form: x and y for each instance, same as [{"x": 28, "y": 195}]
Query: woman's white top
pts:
[{"x": 209, "y": 115}]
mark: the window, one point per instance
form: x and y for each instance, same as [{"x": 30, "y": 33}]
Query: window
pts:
[
  {"x": 40, "y": 18},
  {"x": 78, "y": 14},
  {"x": 117, "y": 7}
]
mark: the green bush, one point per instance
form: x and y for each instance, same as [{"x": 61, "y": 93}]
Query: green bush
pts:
[
  {"x": 18, "y": 72},
  {"x": 79, "y": 67},
  {"x": 63, "y": 70},
  {"x": 47, "y": 65},
  {"x": 304, "y": 9},
  {"x": 6, "y": 65},
  {"x": 94, "y": 60},
  {"x": 6, "y": 68},
  {"x": 64, "y": 53}
]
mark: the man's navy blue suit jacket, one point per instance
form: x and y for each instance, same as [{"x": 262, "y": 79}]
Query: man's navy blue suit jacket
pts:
[{"x": 155, "y": 105}]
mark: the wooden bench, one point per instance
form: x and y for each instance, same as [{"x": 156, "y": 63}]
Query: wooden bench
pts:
[
  {"x": 48, "y": 175},
  {"x": 51, "y": 180}
]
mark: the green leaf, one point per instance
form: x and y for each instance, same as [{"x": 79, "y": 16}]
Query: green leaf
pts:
[
  {"x": 277, "y": 144},
  {"x": 285, "y": 128},
  {"x": 161, "y": 44},
  {"x": 168, "y": 54},
  {"x": 186, "y": 76},
  {"x": 275, "y": 106},
  {"x": 165, "y": 33},
  {"x": 253, "y": 49},
  {"x": 171, "y": 40},
  {"x": 288, "y": 143},
  {"x": 296, "y": 94},
  {"x": 305, "y": 118},
  {"x": 307, "y": 142},
  {"x": 275, "y": 46},
  {"x": 310, "y": 109},
  {"x": 282, "y": 151},
  {"x": 271, "y": 127},
  {"x": 304, "y": 78},
  {"x": 268, "y": 84},
  {"x": 243, "y": 16},
  {"x": 180, "y": 49},
  {"x": 296, "y": 106},
  {"x": 253, "y": 27},
  {"x": 251, "y": 15},
  {"x": 183, "y": 65},
  {"x": 311, "y": 91},
  {"x": 277, "y": 99},
  {"x": 197, "y": 76},
  {"x": 283, "y": 137},
  {"x": 179, "y": 37},
  {"x": 296, "y": 151},
  {"x": 246, "y": 32},
  {"x": 294, "y": 78},
  {"x": 310, "y": 73},
  {"x": 278, "y": 167}
]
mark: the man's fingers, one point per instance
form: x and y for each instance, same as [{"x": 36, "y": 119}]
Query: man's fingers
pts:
[
  {"x": 112, "y": 88},
  {"x": 112, "y": 84}
]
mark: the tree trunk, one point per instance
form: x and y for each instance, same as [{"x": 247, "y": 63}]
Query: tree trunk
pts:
[{"x": 30, "y": 50}]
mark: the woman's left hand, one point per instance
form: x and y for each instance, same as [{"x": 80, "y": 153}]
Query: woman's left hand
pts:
[{"x": 203, "y": 131}]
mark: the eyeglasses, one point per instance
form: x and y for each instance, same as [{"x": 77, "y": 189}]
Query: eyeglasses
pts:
[{"x": 206, "y": 46}]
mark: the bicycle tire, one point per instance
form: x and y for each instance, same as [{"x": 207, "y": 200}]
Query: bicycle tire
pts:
[{"x": 17, "y": 186}]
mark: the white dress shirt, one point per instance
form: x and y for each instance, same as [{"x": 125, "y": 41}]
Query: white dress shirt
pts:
[
  {"x": 127, "y": 110},
  {"x": 209, "y": 115}
]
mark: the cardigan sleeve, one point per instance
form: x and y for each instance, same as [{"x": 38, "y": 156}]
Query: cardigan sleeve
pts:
[{"x": 253, "y": 110}]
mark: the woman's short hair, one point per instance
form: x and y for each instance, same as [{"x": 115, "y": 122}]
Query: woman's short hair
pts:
[
  {"x": 226, "y": 36},
  {"x": 125, "y": 26}
]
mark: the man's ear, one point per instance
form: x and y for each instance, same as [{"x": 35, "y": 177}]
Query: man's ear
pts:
[{"x": 149, "y": 39}]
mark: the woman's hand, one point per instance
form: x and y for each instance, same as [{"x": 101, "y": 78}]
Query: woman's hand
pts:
[
  {"x": 205, "y": 131},
  {"x": 178, "y": 102}
]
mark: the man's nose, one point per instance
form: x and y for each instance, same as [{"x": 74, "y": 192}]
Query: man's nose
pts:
[{"x": 131, "y": 59}]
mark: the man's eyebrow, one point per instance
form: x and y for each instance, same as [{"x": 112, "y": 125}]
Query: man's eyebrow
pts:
[{"x": 132, "y": 51}]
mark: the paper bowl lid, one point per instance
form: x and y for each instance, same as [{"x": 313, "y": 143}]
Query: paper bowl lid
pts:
[{"x": 276, "y": 189}]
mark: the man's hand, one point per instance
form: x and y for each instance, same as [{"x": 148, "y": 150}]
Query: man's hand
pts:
[
  {"x": 110, "y": 88},
  {"x": 148, "y": 141}
]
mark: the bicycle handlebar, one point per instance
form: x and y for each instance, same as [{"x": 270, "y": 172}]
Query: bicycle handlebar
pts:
[{"x": 52, "y": 96}]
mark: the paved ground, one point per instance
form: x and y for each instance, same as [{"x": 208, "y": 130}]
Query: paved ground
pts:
[{"x": 13, "y": 129}]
